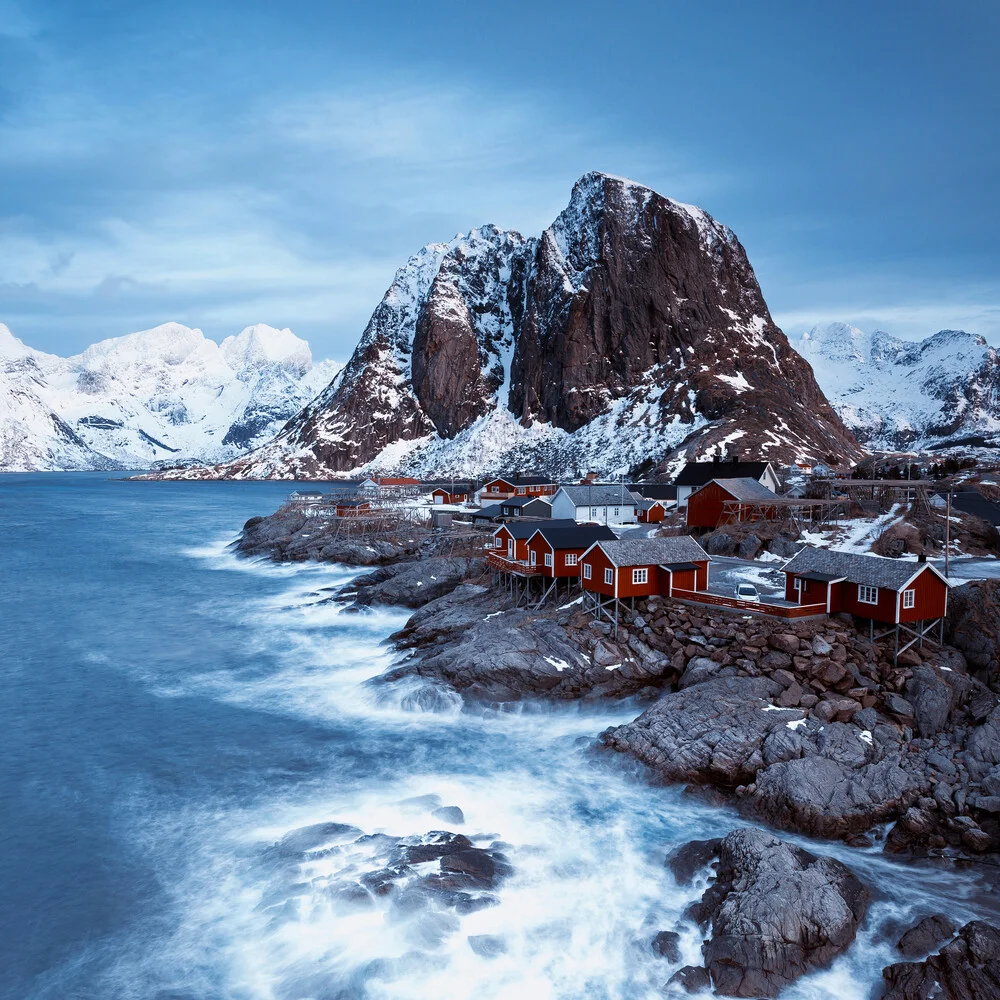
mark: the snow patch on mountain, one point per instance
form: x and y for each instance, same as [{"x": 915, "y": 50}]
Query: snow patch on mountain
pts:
[
  {"x": 166, "y": 394},
  {"x": 937, "y": 393}
]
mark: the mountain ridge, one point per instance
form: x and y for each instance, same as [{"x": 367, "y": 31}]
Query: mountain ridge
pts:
[{"x": 630, "y": 334}]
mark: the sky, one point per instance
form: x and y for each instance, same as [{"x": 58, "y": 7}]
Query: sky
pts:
[{"x": 229, "y": 163}]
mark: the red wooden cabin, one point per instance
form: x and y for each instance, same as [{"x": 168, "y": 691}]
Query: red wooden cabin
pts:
[
  {"x": 352, "y": 508},
  {"x": 556, "y": 548},
  {"x": 510, "y": 541},
  {"x": 441, "y": 495},
  {"x": 893, "y": 591},
  {"x": 706, "y": 504},
  {"x": 644, "y": 567},
  {"x": 522, "y": 486},
  {"x": 651, "y": 512}
]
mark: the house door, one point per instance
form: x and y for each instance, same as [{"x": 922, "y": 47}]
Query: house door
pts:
[{"x": 510, "y": 548}]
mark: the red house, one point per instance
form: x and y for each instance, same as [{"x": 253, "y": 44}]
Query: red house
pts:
[
  {"x": 643, "y": 567},
  {"x": 892, "y": 591},
  {"x": 651, "y": 512},
  {"x": 521, "y": 486},
  {"x": 510, "y": 541},
  {"x": 441, "y": 495},
  {"x": 707, "y": 504},
  {"x": 556, "y": 548}
]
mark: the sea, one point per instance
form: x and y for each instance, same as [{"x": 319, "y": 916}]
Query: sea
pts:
[{"x": 170, "y": 711}]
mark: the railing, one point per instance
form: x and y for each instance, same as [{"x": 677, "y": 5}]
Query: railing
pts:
[
  {"x": 758, "y": 607},
  {"x": 506, "y": 565}
]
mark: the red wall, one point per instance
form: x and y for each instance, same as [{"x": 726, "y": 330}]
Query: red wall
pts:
[
  {"x": 931, "y": 598},
  {"x": 520, "y": 545},
  {"x": 599, "y": 561},
  {"x": 705, "y": 506},
  {"x": 540, "y": 547},
  {"x": 652, "y": 516}
]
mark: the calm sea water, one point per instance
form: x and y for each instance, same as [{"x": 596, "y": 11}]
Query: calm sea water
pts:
[{"x": 168, "y": 710}]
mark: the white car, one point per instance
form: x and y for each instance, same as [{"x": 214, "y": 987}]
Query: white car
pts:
[{"x": 747, "y": 592}]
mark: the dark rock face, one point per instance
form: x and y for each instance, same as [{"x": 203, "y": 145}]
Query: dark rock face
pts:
[
  {"x": 628, "y": 297},
  {"x": 925, "y": 935},
  {"x": 687, "y": 860},
  {"x": 412, "y": 584},
  {"x": 968, "y": 968},
  {"x": 776, "y": 912},
  {"x": 973, "y": 614}
]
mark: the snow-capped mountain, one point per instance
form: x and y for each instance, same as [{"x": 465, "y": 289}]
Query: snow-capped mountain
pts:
[
  {"x": 630, "y": 334},
  {"x": 166, "y": 394},
  {"x": 941, "y": 392}
]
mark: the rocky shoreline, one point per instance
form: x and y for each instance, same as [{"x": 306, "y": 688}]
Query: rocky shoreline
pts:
[{"x": 806, "y": 727}]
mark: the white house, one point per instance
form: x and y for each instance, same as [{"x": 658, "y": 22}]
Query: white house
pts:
[{"x": 599, "y": 502}]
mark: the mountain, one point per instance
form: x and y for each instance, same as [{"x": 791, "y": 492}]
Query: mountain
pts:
[
  {"x": 630, "y": 334},
  {"x": 166, "y": 394},
  {"x": 941, "y": 392}
]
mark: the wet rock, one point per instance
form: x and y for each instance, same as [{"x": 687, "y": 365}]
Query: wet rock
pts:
[
  {"x": 308, "y": 838},
  {"x": 926, "y": 935},
  {"x": 667, "y": 944},
  {"x": 777, "y": 912},
  {"x": 690, "y": 979},
  {"x": 973, "y": 614},
  {"x": 434, "y": 845},
  {"x": 449, "y": 814},
  {"x": 931, "y": 698},
  {"x": 968, "y": 968},
  {"x": 487, "y": 868},
  {"x": 686, "y": 861},
  {"x": 412, "y": 584},
  {"x": 487, "y": 945}
]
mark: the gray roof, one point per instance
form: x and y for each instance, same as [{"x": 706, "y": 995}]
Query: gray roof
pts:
[
  {"x": 867, "y": 570},
  {"x": 489, "y": 512},
  {"x": 522, "y": 501},
  {"x": 654, "y": 551},
  {"x": 601, "y": 495},
  {"x": 746, "y": 489}
]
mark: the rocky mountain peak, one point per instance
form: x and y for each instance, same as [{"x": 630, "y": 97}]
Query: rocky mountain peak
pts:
[{"x": 630, "y": 333}]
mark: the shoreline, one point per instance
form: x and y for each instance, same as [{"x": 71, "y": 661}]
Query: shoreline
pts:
[{"x": 763, "y": 715}]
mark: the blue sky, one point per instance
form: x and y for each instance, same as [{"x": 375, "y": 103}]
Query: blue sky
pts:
[{"x": 227, "y": 163}]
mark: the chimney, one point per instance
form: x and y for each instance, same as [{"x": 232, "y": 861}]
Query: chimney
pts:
[{"x": 922, "y": 558}]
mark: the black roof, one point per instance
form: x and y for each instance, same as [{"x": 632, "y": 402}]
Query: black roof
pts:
[
  {"x": 700, "y": 473},
  {"x": 488, "y": 513},
  {"x": 974, "y": 503},
  {"x": 563, "y": 534},
  {"x": 654, "y": 491},
  {"x": 525, "y": 529},
  {"x": 522, "y": 501}
]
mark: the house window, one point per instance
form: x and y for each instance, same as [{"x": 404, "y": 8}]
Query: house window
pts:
[
  {"x": 548, "y": 558},
  {"x": 798, "y": 584},
  {"x": 616, "y": 511},
  {"x": 867, "y": 595},
  {"x": 640, "y": 575},
  {"x": 909, "y": 598},
  {"x": 587, "y": 571},
  {"x": 499, "y": 543},
  {"x": 520, "y": 491},
  {"x": 593, "y": 512},
  {"x": 609, "y": 576},
  {"x": 572, "y": 558}
]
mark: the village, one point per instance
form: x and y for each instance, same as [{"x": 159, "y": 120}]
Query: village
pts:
[{"x": 810, "y": 542}]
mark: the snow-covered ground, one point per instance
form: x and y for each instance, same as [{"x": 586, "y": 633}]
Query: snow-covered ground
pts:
[{"x": 164, "y": 394}]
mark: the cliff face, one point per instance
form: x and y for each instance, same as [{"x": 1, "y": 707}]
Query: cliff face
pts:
[{"x": 631, "y": 333}]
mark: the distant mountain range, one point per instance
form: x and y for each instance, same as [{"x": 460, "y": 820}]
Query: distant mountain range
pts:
[
  {"x": 630, "y": 335},
  {"x": 162, "y": 395},
  {"x": 933, "y": 394}
]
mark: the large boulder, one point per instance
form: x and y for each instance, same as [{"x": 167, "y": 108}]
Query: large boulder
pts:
[
  {"x": 776, "y": 913},
  {"x": 412, "y": 584},
  {"x": 968, "y": 968},
  {"x": 974, "y": 624}
]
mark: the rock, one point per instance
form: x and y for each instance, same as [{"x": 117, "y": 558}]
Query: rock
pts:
[
  {"x": 749, "y": 547},
  {"x": 690, "y": 979},
  {"x": 449, "y": 814},
  {"x": 784, "y": 641},
  {"x": 699, "y": 669},
  {"x": 973, "y": 613},
  {"x": 719, "y": 544},
  {"x": 487, "y": 945},
  {"x": 485, "y": 867},
  {"x": 667, "y": 944},
  {"x": 931, "y": 698},
  {"x": 820, "y": 646},
  {"x": 968, "y": 968},
  {"x": 308, "y": 838},
  {"x": 897, "y": 705},
  {"x": 926, "y": 935},
  {"x": 777, "y": 912},
  {"x": 686, "y": 861},
  {"x": 412, "y": 584}
]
